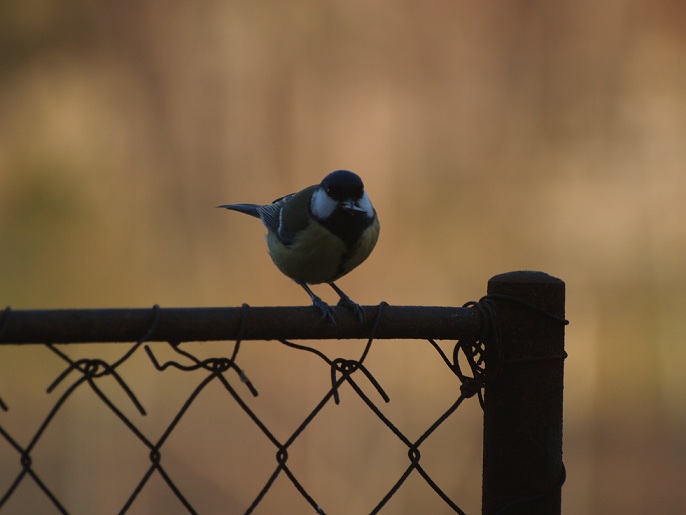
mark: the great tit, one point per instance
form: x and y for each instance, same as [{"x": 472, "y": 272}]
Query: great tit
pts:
[{"x": 320, "y": 233}]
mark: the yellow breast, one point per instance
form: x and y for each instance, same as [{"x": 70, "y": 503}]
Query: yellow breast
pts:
[{"x": 318, "y": 256}]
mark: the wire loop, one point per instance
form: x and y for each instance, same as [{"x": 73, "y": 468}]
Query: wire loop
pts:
[{"x": 467, "y": 362}]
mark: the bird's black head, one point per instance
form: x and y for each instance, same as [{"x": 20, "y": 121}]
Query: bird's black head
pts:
[
  {"x": 341, "y": 205},
  {"x": 343, "y": 185}
]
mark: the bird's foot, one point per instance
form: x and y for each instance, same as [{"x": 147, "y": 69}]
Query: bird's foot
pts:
[
  {"x": 348, "y": 303},
  {"x": 326, "y": 310},
  {"x": 353, "y": 306}
]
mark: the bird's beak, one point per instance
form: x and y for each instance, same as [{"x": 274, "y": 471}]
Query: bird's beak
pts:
[{"x": 350, "y": 205}]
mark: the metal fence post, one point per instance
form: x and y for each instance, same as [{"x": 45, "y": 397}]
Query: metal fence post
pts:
[{"x": 522, "y": 463}]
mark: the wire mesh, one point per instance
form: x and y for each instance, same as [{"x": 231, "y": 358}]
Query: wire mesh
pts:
[
  {"x": 224, "y": 455},
  {"x": 109, "y": 379}
]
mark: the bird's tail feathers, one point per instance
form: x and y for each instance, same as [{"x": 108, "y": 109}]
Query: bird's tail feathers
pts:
[{"x": 248, "y": 209}]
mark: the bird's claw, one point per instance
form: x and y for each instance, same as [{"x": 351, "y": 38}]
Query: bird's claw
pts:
[
  {"x": 326, "y": 310},
  {"x": 353, "y": 306},
  {"x": 348, "y": 303}
]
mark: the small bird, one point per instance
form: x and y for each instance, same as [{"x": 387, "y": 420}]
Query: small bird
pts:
[{"x": 320, "y": 233}]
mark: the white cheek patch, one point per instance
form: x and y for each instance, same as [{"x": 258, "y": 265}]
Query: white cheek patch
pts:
[{"x": 322, "y": 205}]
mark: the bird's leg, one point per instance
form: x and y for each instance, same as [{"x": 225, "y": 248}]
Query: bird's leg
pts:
[
  {"x": 327, "y": 311},
  {"x": 348, "y": 303}
]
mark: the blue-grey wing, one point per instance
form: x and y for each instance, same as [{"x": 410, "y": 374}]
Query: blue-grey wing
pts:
[{"x": 271, "y": 216}]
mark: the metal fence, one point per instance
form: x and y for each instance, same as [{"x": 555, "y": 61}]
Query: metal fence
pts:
[{"x": 508, "y": 353}]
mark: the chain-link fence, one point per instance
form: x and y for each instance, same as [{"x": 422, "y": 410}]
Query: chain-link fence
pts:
[{"x": 506, "y": 350}]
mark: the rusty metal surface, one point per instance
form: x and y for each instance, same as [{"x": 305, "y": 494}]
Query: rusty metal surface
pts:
[
  {"x": 522, "y": 468},
  {"x": 205, "y": 324}
]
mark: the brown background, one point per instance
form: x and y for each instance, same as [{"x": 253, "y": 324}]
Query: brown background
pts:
[{"x": 492, "y": 136}]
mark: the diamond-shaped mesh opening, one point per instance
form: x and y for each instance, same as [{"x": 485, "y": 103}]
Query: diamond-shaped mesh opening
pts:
[{"x": 331, "y": 426}]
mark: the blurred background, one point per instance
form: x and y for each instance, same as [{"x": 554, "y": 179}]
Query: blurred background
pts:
[{"x": 491, "y": 137}]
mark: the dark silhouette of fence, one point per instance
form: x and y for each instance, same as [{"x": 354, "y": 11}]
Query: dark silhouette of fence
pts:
[{"x": 509, "y": 352}]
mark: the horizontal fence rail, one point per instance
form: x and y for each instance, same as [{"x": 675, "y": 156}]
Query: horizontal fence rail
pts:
[
  {"x": 508, "y": 352},
  {"x": 255, "y": 323}
]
